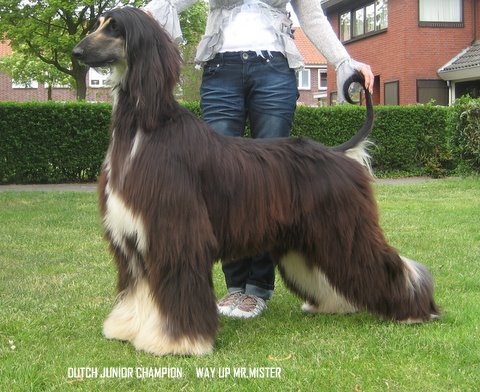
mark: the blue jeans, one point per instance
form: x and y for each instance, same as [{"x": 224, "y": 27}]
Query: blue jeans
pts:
[{"x": 237, "y": 86}]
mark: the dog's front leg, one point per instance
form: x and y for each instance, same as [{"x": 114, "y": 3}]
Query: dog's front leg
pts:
[
  {"x": 168, "y": 310},
  {"x": 179, "y": 314}
]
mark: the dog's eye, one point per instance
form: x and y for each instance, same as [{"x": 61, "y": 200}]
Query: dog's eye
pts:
[{"x": 113, "y": 28}]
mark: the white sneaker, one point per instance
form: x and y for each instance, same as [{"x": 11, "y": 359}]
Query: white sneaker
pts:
[
  {"x": 229, "y": 302},
  {"x": 249, "y": 306}
]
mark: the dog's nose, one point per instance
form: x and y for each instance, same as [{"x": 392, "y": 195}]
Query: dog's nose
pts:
[{"x": 77, "y": 52}]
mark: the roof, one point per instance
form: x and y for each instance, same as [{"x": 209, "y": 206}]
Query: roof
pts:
[
  {"x": 310, "y": 53},
  {"x": 331, "y": 5},
  {"x": 464, "y": 65},
  {"x": 469, "y": 57}
]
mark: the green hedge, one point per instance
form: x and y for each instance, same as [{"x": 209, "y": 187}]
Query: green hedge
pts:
[
  {"x": 52, "y": 142},
  {"x": 407, "y": 139},
  {"x": 463, "y": 126},
  {"x": 66, "y": 142}
]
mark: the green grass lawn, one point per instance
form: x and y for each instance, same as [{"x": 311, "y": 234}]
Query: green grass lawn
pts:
[{"x": 57, "y": 284}]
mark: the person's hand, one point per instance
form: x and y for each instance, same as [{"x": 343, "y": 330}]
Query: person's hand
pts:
[
  {"x": 367, "y": 73},
  {"x": 347, "y": 69}
]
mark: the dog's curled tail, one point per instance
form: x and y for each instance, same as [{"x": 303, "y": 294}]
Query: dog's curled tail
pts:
[{"x": 357, "y": 147}]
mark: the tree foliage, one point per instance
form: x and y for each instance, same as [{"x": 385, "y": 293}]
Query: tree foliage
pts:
[
  {"x": 192, "y": 22},
  {"x": 24, "y": 70},
  {"x": 47, "y": 30},
  {"x": 42, "y": 34}
]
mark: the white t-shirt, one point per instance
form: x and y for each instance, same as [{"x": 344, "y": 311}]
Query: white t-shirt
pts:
[{"x": 249, "y": 30}]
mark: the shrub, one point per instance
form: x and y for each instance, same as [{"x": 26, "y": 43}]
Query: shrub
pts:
[
  {"x": 412, "y": 138},
  {"x": 408, "y": 139},
  {"x": 464, "y": 128},
  {"x": 66, "y": 142},
  {"x": 52, "y": 142}
]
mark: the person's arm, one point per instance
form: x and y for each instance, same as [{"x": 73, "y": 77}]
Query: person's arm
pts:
[
  {"x": 166, "y": 13},
  {"x": 319, "y": 30}
]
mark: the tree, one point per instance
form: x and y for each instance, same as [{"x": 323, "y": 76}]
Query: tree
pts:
[
  {"x": 45, "y": 32},
  {"x": 49, "y": 29},
  {"x": 24, "y": 70},
  {"x": 192, "y": 22}
]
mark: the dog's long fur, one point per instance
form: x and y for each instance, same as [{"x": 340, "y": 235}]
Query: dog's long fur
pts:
[{"x": 175, "y": 196}]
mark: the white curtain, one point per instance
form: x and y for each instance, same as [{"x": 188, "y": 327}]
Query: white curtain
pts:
[{"x": 440, "y": 10}]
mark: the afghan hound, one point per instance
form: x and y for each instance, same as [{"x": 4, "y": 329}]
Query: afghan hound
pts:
[{"x": 175, "y": 196}]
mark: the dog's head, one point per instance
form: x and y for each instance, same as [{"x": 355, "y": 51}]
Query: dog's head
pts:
[
  {"x": 146, "y": 63},
  {"x": 105, "y": 45},
  {"x": 129, "y": 37}
]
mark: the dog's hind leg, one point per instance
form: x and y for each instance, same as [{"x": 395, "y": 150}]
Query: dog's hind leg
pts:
[
  {"x": 420, "y": 284},
  {"x": 376, "y": 278},
  {"x": 344, "y": 240},
  {"x": 311, "y": 284}
]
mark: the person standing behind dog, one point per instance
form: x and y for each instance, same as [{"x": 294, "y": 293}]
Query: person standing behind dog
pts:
[{"x": 249, "y": 60}]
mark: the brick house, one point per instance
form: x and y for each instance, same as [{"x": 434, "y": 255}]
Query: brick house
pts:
[
  {"x": 407, "y": 42},
  {"x": 10, "y": 91},
  {"x": 312, "y": 80}
]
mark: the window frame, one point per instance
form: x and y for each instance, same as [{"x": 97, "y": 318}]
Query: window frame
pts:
[
  {"x": 96, "y": 76},
  {"x": 352, "y": 36},
  {"x": 300, "y": 79},
  {"x": 457, "y": 24},
  {"x": 425, "y": 83},
  {"x": 30, "y": 85},
  {"x": 322, "y": 71},
  {"x": 391, "y": 83}
]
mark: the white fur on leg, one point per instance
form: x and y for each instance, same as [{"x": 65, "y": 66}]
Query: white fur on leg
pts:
[
  {"x": 314, "y": 283},
  {"x": 136, "y": 318},
  {"x": 123, "y": 323},
  {"x": 416, "y": 276}
]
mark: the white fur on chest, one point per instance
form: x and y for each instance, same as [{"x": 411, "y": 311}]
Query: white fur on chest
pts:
[{"x": 120, "y": 221}]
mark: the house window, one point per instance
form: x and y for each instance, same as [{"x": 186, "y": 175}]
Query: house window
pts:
[
  {"x": 345, "y": 26},
  {"x": 322, "y": 79},
  {"x": 56, "y": 85},
  {"x": 360, "y": 22},
  {"x": 471, "y": 88},
  {"x": 29, "y": 84},
  {"x": 443, "y": 11},
  {"x": 303, "y": 79},
  {"x": 98, "y": 78},
  {"x": 381, "y": 14},
  {"x": 435, "y": 91},
  {"x": 392, "y": 95},
  {"x": 370, "y": 18}
]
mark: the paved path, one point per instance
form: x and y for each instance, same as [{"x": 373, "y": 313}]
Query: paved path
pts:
[
  {"x": 50, "y": 188},
  {"x": 93, "y": 187}
]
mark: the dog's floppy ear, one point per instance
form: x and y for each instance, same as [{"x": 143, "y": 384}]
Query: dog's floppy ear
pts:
[{"x": 151, "y": 52}]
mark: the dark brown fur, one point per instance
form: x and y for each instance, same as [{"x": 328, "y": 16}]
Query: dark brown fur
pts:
[{"x": 204, "y": 197}]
